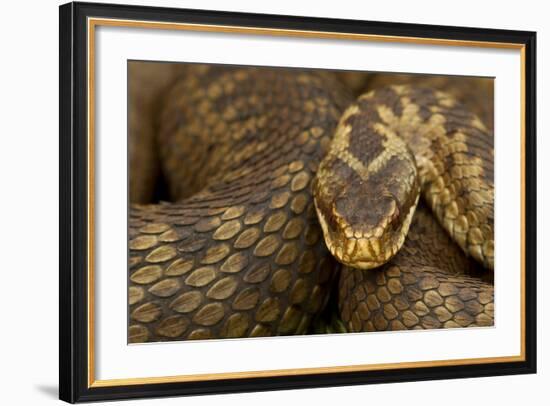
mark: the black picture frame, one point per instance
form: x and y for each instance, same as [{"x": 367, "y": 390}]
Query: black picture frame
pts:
[{"x": 73, "y": 288}]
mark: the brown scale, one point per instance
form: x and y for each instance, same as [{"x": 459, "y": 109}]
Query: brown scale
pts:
[
  {"x": 429, "y": 284},
  {"x": 453, "y": 151},
  {"x": 475, "y": 92},
  {"x": 419, "y": 288},
  {"x": 469, "y": 179},
  {"x": 243, "y": 255}
]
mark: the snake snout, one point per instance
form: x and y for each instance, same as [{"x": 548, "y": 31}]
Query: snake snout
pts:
[
  {"x": 363, "y": 229},
  {"x": 368, "y": 215}
]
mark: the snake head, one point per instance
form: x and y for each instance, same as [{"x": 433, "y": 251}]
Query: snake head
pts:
[
  {"x": 365, "y": 228},
  {"x": 365, "y": 200}
]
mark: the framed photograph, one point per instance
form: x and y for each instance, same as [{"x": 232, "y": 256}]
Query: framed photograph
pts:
[{"x": 255, "y": 202}]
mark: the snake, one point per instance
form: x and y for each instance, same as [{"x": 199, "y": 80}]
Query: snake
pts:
[{"x": 282, "y": 192}]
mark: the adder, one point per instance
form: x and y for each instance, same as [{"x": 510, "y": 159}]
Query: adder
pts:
[{"x": 284, "y": 190}]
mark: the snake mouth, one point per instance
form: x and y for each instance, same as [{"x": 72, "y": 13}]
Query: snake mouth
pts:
[
  {"x": 363, "y": 253},
  {"x": 366, "y": 252}
]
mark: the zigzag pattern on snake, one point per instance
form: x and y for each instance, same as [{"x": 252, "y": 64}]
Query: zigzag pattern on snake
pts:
[{"x": 239, "y": 250}]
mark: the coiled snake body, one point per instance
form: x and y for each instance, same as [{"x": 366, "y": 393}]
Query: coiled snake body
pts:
[{"x": 244, "y": 250}]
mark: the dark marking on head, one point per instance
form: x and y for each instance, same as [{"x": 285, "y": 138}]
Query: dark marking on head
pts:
[
  {"x": 386, "y": 194},
  {"x": 365, "y": 143}
]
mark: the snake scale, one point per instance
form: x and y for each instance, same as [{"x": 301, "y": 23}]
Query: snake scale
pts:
[{"x": 268, "y": 171}]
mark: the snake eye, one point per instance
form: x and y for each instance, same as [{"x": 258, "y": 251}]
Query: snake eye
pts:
[
  {"x": 395, "y": 218},
  {"x": 392, "y": 211}
]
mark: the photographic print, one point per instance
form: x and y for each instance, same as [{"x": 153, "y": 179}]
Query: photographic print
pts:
[
  {"x": 282, "y": 201},
  {"x": 256, "y": 202}
]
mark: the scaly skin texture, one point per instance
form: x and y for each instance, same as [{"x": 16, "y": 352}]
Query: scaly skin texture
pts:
[
  {"x": 367, "y": 187},
  {"x": 475, "y": 93},
  {"x": 428, "y": 284},
  {"x": 244, "y": 256},
  {"x": 239, "y": 251}
]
